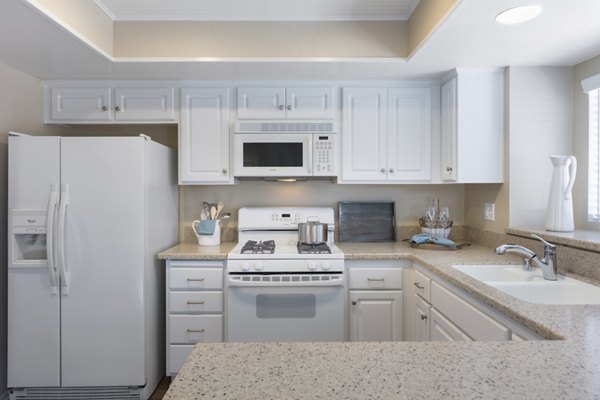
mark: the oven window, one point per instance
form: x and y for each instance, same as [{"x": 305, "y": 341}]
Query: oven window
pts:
[
  {"x": 273, "y": 154},
  {"x": 286, "y": 305}
]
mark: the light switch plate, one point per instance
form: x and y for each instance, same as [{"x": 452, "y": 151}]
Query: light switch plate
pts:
[{"x": 489, "y": 212}]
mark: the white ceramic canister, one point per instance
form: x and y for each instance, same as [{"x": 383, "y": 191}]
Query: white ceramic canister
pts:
[
  {"x": 559, "y": 216},
  {"x": 208, "y": 240}
]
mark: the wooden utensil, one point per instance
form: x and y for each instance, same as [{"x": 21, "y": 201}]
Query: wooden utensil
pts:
[{"x": 220, "y": 206}]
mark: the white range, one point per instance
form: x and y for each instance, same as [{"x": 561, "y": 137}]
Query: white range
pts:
[{"x": 279, "y": 290}]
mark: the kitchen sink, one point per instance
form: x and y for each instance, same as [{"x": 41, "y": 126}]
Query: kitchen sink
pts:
[{"x": 531, "y": 286}]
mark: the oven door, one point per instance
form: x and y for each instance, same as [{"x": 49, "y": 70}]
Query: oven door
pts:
[
  {"x": 272, "y": 155},
  {"x": 285, "y": 314}
]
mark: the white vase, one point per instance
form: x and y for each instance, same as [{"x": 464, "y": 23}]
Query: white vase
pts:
[{"x": 559, "y": 216}]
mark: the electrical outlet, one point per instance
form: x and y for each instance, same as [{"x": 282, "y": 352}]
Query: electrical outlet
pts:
[{"x": 489, "y": 212}]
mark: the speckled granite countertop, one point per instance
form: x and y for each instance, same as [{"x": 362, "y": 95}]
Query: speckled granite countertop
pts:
[
  {"x": 192, "y": 251},
  {"x": 552, "y": 369}
]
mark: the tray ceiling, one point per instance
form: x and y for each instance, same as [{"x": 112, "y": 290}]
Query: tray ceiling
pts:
[{"x": 257, "y": 10}]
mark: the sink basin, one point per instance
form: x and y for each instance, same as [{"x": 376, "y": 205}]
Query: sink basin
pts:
[
  {"x": 500, "y": 273},
  {"x": 531, "y": 286}
]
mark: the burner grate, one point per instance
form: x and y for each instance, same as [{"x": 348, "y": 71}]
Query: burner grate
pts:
[
  {"x": 321, "y": 248},
  {"x": 254, "y": 247}
]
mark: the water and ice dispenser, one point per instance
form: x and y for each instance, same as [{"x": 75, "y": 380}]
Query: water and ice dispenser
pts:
[{"x": 28, "y": 238}]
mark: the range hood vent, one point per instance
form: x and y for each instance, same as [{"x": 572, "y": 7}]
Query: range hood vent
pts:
[{"x": 286, "y": 127}]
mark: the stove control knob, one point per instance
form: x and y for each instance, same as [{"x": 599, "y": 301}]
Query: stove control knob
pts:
[
  {"x": 326, "y": 266},
  {"x": 245, "y": 266},
  {"x": 259, "y": 266},
  {"x": 312, "y": 265}
]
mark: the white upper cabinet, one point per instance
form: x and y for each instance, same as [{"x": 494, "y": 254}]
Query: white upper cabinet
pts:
[
  {"x": 409, "y": 134},
  {"x": 364, "y": 135},
  {"x": 386, "y": 135},
  {"x": 285, "y": 103},
  {"x": 87, "y": 102},
  {"x": 204, "y": 136},
  {"x": 472, "y": 127}
]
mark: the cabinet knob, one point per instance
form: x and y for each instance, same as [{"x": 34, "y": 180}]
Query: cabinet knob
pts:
[
  {"x": 104, "y": 108},
  {"x": 281, "y": 107},
  {"x": 391, "y": 170},
  {"x": 423, "y": 317},
  {"x": 383, "y": 170},
  {"x": 289, "y": 108},
  {"x": 224, "y": 171},
  {"x": 117, "y": 108},
  {"x": 354, "y": 302},
  {"x": 448, "y": 169}
]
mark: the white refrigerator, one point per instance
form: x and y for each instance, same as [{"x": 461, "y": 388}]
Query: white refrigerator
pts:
[{"x": 87, "y": 216}]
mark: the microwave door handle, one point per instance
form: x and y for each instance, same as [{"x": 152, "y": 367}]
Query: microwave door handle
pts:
[{"x": 310, "y": 154}]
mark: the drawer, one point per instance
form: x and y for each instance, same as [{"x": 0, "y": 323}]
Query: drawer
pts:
[
  {"x": 422, "y": 286},
  {"x": 472, "y": 321},
  {"x": 197, "y": 302},
  {"x": 184, "y": 329},
  {"x": 375, "y": 278},
  {"x": 196, "y": 278},
  {"x": 177, "y": 356}
]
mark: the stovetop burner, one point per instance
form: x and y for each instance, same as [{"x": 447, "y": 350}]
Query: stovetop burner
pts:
[
  {"x": 313, "y": 248},
  {"x": 254, "y": 247}
]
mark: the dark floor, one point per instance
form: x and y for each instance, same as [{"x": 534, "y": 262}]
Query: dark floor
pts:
[{"x": 161, "y": 389}]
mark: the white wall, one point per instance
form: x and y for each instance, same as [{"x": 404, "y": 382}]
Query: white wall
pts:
[
  {"x": 20, "y": 110},
  {"x": 580, "y": 142},
  {"x": 540, "y": 118}
]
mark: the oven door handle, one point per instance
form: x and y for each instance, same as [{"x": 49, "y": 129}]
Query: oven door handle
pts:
[{"x": 231, "y": 282}]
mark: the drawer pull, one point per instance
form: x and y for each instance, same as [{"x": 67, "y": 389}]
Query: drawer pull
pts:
[
  {"x": 195, "y": 330},
  {"x": 195, "y": 302},
  {"x": 376, "y": 279},
  {"x": 195, "y": 279},
  {"x": 423, "y": 317},
  {"x": 419, "y": 286}
]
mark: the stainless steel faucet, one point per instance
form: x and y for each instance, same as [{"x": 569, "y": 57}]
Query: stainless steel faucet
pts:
[{"x": 546, "y": 264}]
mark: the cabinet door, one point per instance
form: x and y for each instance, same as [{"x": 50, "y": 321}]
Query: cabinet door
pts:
[
  {"x": 204, "y": 136},
  {"x": 80, "y": 104},
  {"x": 442, "y": 329},
  {"x": 409, "y": 134},
  {"x": 145, "y": 104},
  {"x": 422, "y": 318},
  {"x": 261, "y": 103},
  {"x": 375, "y": 315},
  {"x": 449, "y": 131},
  {"x": 309, "y": 103},
  {"x": 364, "y": 135}
]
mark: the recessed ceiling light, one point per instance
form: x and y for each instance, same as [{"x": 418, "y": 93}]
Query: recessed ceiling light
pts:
[{"x": 518, "y": 15}]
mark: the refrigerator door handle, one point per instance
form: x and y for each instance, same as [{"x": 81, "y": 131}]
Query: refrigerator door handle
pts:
[
  {"x": 62, "y": 217},
  {"x": 50, "y": 238}
]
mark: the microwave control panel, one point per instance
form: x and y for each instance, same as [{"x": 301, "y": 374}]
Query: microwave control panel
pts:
[{"x": 324, "y": 155}]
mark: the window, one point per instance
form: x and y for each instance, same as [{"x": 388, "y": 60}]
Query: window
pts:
[{"x": 594, "y": 156}]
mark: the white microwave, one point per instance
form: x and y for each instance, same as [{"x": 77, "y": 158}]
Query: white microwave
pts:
[{"x": 284, "y": 149}]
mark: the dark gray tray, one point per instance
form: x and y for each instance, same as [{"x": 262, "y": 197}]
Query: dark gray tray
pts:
[{"x": 367, "y": 221}]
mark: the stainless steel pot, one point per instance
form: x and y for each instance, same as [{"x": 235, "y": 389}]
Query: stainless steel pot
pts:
[{"x": 312, "y": 232}]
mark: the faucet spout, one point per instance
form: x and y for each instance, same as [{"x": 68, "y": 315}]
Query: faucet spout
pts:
[{"x": 515, "y": 248}]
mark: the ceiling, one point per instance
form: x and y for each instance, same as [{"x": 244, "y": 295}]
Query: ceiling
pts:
[
  {"x": 566, "y": 34},
  {"x": 257, "y": 10}
]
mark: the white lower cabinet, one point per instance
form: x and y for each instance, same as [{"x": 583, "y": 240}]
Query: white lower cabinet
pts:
[
  {"x": 375, "y": 300},
  {"x": 422, "y": 318},
  {"x": 194, "y": 308},
  {"x": 375, "y": 315},
  {"x": 441, "y": 311},
  {"x": 441, "y": 329}
]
